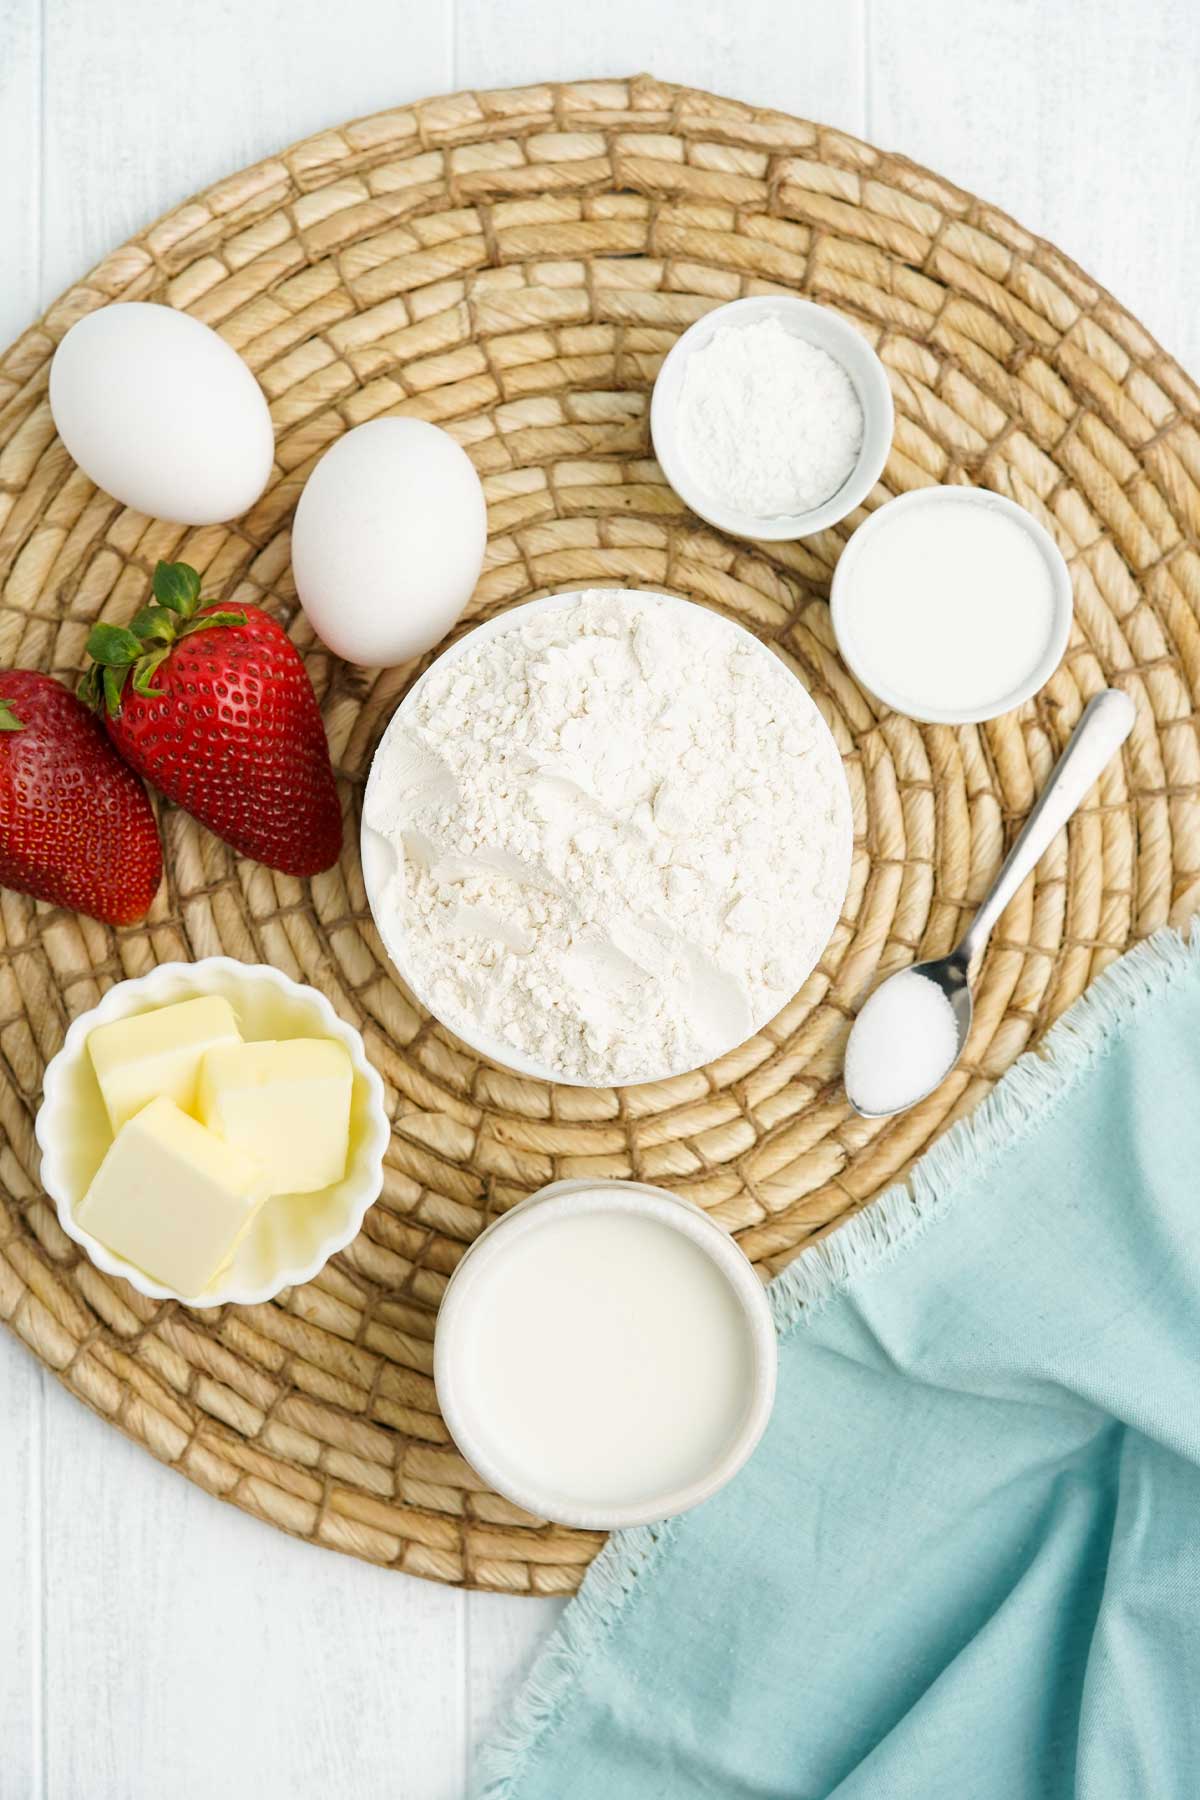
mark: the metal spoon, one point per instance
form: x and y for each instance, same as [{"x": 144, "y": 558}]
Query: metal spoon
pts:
[{"x": 1106, "y": 723}]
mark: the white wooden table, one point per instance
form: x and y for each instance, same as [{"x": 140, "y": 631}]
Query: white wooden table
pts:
[{"x": 151, "y": 1640}]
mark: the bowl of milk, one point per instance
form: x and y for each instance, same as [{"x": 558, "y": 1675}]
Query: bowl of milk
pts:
[
  {"x": 952, "y": 605},
  {"x": 605, "y": 1355}
]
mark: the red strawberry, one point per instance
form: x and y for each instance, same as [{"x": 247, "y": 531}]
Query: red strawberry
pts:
[
  {"x": 221, "y": 716},
  {"x": 76, "y": 827}
]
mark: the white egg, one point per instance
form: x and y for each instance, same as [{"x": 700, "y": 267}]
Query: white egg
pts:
[
  {"x": 162, "y": 414},
  {"x": 388, "y": 540}
]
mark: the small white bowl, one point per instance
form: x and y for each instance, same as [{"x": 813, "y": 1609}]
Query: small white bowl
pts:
[
  {"x": 856, "y": 653},
  {"x": 294, "y": 1235},
  {"x": 565, "y": 1199},
  {"x": 379, "y": 859},
  {"x": 830, "y": 332}
]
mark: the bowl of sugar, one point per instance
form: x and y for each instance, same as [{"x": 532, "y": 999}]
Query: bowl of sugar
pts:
[
  {"x": 772, "y": 417},
  {"x": 952, "y": 605},
  {"x": 605, "y": 1354}
]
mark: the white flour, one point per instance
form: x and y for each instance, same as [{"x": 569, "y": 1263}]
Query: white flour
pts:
[
  {"x": 768, "y": 423},
  {"x": 621, "y": 829}
]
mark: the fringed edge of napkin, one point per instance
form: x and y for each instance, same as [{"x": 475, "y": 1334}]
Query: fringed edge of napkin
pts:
[
  {"x": 1033, "y": 1088},
  {"x": 590, "y": 1616},
  {"x": 1036, "y": 1085}
]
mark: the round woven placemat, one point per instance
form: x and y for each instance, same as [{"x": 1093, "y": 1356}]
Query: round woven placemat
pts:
[{"x": 514, "y": 266}]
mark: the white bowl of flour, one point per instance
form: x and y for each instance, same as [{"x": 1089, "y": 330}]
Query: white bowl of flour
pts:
[{"x": 606, "y": 837}]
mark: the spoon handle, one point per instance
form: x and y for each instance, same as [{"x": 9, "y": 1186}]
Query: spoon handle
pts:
[{"x": 1106, "y": 723}]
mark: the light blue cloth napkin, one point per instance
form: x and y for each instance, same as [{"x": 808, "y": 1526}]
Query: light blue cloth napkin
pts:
[{"x": 964, "y": 1564}]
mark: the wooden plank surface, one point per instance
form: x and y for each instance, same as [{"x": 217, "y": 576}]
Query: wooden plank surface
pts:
[
  {"x": 22, "y": 1602},
  {"x": 191, "y": 1650},
  {"x": 21, "y": 40},
  {"x": 152, "y": 1640},
  {"x": 1081, "y": 121},
  {"x": 22, "y": 1384},
  {"x": 149, "y": 100}
]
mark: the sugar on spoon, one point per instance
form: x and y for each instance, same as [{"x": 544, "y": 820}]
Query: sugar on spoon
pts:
[{"x": 912, "y": 1030}]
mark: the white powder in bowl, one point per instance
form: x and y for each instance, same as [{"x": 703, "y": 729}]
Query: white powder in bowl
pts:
[
  {"x": 622, "y": 836},
  {"x": 903, "y": 1042},
  {"x": 767, "y": 422}
]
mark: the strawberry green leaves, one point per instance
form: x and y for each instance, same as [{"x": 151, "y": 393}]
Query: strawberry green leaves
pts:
[
  {"x": 8, "y": 718},
  {"x": 114, "y": 651},
  {"x": 141, "y": 648},
  {"x": 143, "y": 676},
  {"x": 113, "y": 645},
  {"x": 211, "y": 619},
  {"x": 153, "y": 625},
  {"x": 177, "y": 587}
]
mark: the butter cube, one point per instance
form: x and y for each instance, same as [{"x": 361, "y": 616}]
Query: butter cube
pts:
[
  {"x": 171, "y": 1197},
  {"x": 158, "y": 1052},
  {"x": 286, "y": 1104}
]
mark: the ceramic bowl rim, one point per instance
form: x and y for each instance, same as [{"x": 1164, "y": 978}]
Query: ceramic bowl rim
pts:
[
  {"x": 1063, "y": 596},
  {"x": 565, "y": 1199}
]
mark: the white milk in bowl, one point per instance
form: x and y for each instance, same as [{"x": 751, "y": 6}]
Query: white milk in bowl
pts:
[
  {"x": 605, "y": 1355},
  {"x": 952, "y": 604}
]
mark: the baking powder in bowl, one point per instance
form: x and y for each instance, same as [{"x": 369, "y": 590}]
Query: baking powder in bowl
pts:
[
  {"x": 768, "y": 423},
  {"x": 622, "y": 836}
]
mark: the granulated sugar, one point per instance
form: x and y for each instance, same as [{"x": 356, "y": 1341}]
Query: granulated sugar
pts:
[
  {"x": 622, "y": 836},
  {"x": 903, "y": 1042},
  {"x": 768, "y": 423}
]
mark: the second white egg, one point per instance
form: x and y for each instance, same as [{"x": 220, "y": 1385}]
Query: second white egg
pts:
[{"x": 388, "y": 540}]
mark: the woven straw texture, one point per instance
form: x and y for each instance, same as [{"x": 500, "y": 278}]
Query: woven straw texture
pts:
[{"x": 514, "y": 266}]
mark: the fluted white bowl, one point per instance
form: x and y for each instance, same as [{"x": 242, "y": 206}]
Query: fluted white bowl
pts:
[{"x": 293, "y": 1235}]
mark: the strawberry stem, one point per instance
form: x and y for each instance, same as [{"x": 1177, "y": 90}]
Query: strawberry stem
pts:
[
  {"x": 8, "y": 718},
  {"x": 145, "y": 644}
]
